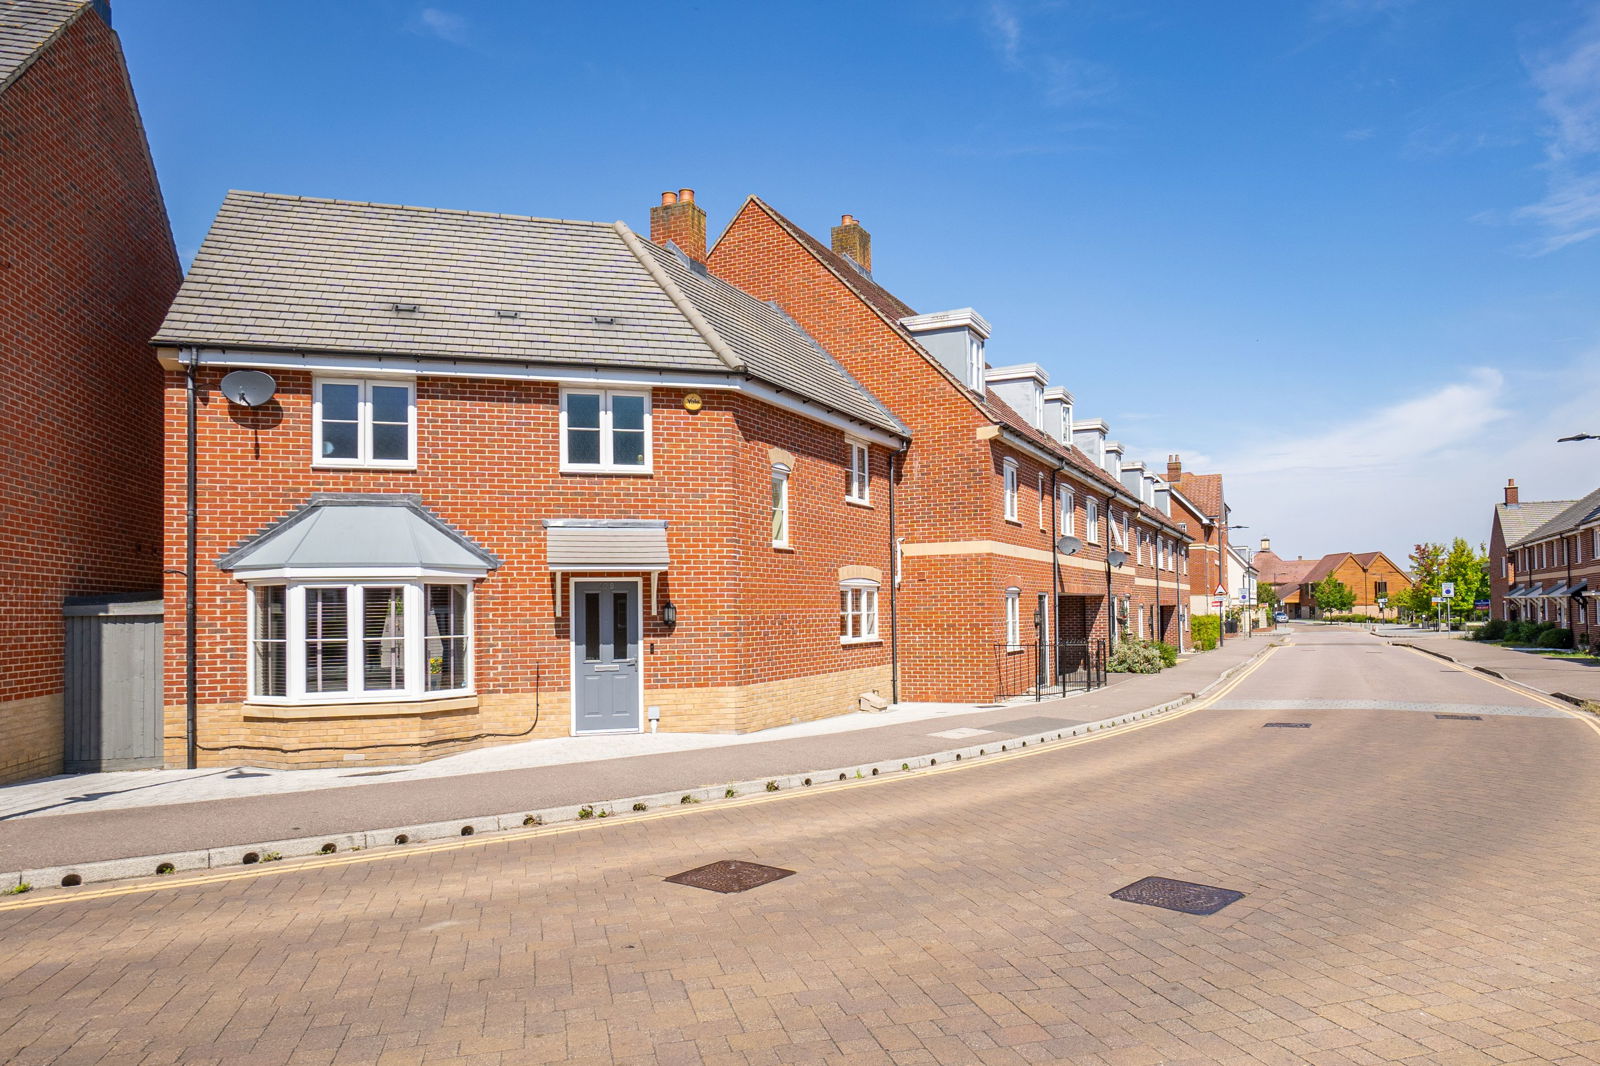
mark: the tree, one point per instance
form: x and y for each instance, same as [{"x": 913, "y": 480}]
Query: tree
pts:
[
  {"x": 1427, "y": 570},
  {"x": 1469, "y": 570},
  {"x": 1333, "y": 596},
  {"x": 1267, "y": 597}
]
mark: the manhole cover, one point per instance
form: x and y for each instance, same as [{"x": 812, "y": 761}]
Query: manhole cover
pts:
[
  {"x": 729, "y": 875},
  {"x": 1184, "y": 896},
  {"x": 1287, "y": 725},
  {"x": 1461, "y": 717}
]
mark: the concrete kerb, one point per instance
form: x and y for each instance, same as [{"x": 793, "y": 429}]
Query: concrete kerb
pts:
[
  {"x": 1565, "y": 697},
  {"x": 403, "y": 835}
]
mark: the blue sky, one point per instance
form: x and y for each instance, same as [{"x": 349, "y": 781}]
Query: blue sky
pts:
[{"x": 1344, "y": 251}]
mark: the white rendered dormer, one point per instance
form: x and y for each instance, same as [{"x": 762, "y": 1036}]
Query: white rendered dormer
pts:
[
  {"x": 1022, "y": 387},
  {"x": 955, "y": 339},
  {"x": 1058, "y": 414}
]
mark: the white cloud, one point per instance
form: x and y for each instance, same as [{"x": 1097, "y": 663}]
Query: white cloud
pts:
[
  {"x": 1428, "y": 467},
  {"x": 1568, "y": 80},
  {"x": 1063, "y": 79},
  {"x": 436, "y": 22},
  {"x": 1005, "y": 27}
]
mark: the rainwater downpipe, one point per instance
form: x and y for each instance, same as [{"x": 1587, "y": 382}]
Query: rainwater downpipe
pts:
[
  {"x": 1054, "y": 662},
  {"x": 191, "y": 556},
  {"x": 894, "y": 587}
]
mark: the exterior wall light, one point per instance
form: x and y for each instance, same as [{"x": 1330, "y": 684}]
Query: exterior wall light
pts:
[{"x": 669, "y": 614}]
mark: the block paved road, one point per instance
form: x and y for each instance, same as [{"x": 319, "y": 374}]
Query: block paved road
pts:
[{"x": 1417, "y": 890}]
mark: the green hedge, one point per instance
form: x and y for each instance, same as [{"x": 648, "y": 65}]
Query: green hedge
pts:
[
  {"x": 1555, "y": 638},
  {"x": 1204, "y": 631}
]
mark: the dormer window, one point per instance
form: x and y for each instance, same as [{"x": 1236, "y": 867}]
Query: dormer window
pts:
[
  {"x": 955, "y": 339},
  {"x": 975, "y": 365}
]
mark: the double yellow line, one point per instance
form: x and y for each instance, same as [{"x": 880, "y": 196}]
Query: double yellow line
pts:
[{"x": 56, "y": 898}]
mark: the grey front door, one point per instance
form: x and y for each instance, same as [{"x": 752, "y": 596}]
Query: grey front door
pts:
[{"x": 605, "y": 637}]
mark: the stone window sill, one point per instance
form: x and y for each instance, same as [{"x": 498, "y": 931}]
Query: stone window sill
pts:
[{"x": 293, "y": 712}]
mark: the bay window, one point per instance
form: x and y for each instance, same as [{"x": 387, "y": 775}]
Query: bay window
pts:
[
  {"x": 605, "y": 431},
  {"x": 320, "y": 641}
]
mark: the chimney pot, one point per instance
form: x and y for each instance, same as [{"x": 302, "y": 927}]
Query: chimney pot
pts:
[
  {"x": 1174, "y": 468},
  {"x": 851, "y": 238},
  {"x": 681, "y": 221}
]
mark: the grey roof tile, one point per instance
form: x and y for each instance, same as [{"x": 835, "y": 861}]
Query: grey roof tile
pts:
[
  {"x": 1517, "y": 520},
  {"x": 26, "y": 27},
  {"x": 289, "y": 273},
  {"x": 1567, "y": 515}
]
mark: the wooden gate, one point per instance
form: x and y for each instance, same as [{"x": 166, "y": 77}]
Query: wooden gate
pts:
[{"x": 112, "y": 691}]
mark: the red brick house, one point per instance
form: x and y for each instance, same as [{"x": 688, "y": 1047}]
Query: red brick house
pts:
[
  {"x": 998, "y": 470},
  {"x": 1544, "y": 562},
  {"x": 1372, "y": 576},
  {"x": 88, "y": 268},
  {"x": 508, "y": 477}
]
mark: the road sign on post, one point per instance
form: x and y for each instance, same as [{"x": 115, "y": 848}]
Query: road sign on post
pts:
[{"x": 1448, "y": 590}]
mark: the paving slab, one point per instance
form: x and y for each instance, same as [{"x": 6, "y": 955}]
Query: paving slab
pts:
[{"x": 39, "y": 837}]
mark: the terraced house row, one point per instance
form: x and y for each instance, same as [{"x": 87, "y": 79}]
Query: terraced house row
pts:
[
  {"x": 506, "y": 477},
  {"x": 1544, "y": 562},
  {"x": 387, "y": 482}
]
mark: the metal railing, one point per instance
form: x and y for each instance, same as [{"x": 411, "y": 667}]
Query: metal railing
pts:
[{"x": 1051, "y": 669}]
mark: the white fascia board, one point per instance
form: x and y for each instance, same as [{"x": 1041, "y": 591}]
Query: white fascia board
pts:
[
  {"x": 1058, "y": 394},
  {"x": 961, "y": 316},
  {"x": 405, "y": 366},
  {"x": 1017, "y": 372},
  {"x": 1096, "y": 425}
]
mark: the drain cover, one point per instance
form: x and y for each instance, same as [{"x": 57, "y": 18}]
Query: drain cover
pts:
[
  {"x": 729, "y": 875},
  {"x": 1461, "y": 717},
  {"x": 1287, "y": 725},
  {"x": 1184, "y": 896}
]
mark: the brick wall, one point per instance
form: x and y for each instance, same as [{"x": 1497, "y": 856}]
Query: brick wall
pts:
[
  {"x": 88, "y": 270},
  {"x": 750, "y": 617}
]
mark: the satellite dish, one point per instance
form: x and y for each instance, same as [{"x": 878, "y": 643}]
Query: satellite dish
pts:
[
  {"x": 249, "y": 388},
  {"x": 1116, "y": 558},
  {"x": 1068, "y": 545}
]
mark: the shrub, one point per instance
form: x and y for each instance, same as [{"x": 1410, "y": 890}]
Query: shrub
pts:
[
  {"x": 1169, "y": 654},
  {"x": 1134, "y": 657},
  {"x": 1205, "y": 631},
  {"x": 1556, "y": 638},
  {"x": 1493, "y": 629}
]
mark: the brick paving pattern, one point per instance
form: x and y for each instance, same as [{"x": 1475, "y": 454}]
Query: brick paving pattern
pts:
[{"x": 1415, "y": 892}]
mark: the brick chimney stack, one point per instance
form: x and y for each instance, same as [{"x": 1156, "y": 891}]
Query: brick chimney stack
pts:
[
  {"x": 1511, "y": 490},
  {"x": 682, "y": 221},
  {"x": 849, "y": 238},
  {"x": 1174, "y": 469}
]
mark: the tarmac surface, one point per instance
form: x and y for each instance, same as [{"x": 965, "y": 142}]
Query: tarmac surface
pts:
[{"x": 1415, "y": 889}]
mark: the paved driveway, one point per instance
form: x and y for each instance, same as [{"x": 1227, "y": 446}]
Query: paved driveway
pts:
[{"x": 1417, "y": 890}]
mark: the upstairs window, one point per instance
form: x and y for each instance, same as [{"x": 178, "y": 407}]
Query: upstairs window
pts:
[
  {"x": 1010, "y": 472},
  {"x": 1041, "y": 502},
  {"x": 356, "y": 422},
  {"x": 1091, "y": 521},
  {"x": 1064, "y": 510},
  {"x": 859, "y": 488},
  {"x": 780, "y": 506},
  {"x": 605, "y": 431}
]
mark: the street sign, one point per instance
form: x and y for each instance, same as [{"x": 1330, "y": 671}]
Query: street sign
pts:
[
  {"x": 1216, "y": 603},
  {"x": 1448, "y": 590},
  {"x": 1480, "y": 605},
  {"x": 1439, "y": 599},
  {"x": 1220, "y": 591},
  {"x": 1383, "y": 601}
]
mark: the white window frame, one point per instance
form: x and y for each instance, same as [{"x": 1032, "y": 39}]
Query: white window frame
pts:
[
  {"x": 779, "y": 504},
  {"x": 859, "y": 489},
  {"x": 974, "y": 363},
  {"x": 414, "y": 641},
  {"x": 1008, "y": 471},
  {"x": 855, "y": 611},
  {"x": 1042, "y": 499},
  {"x": 606, "y": 464},
  {"x": 1013, "y": 615},
  {"x": 1064, "y": 515},
  {"x": 363, "y": 459},
  {"x": 1091, "y": 521}
]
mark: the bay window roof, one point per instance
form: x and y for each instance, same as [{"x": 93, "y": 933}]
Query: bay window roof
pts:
[{"x": 391, "y": 534}]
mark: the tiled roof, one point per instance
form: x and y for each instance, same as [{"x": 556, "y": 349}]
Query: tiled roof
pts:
[
  {"x": 26, "y": 26},
  {"x": 1205, "y": 490},
  {"x": 772, "y": 345},
  {"x": 1288, "y": 571},
  {"x": 292, "y": 273},
  {"x": 1517, "y": 520},
  {"x": 1323, "y": 567},
  {"x": 1366, "y": 559},
  {"x": 1574, "y": 514},
  {"x": 893, "y": 309}
]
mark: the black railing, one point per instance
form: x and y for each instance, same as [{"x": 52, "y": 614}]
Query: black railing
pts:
[{"x": 1041, "y": 670}]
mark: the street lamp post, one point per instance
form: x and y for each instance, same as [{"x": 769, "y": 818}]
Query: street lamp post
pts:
[{"x": 1222, "y": 534}]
